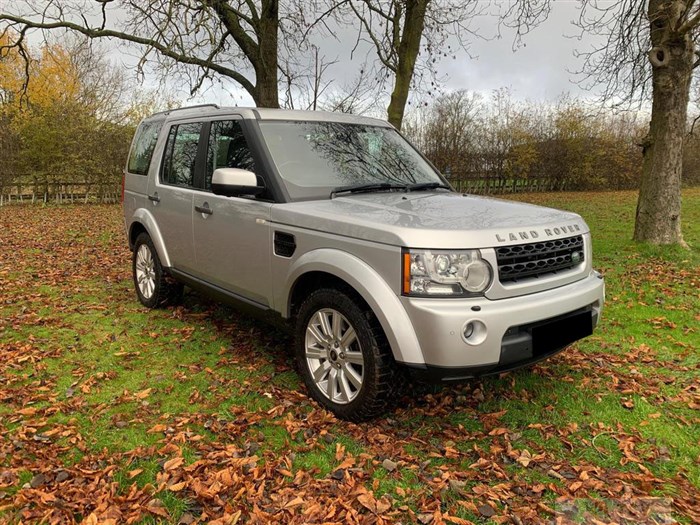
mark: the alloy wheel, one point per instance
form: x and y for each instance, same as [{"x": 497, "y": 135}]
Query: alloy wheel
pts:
[{"x": 334, "y": 356}]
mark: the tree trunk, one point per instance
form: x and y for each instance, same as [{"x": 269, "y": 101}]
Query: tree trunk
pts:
[
  {"x": 266, "y": 93},
  {"x": 407, "y": 55},
  {"x": 658, "y": 219}
]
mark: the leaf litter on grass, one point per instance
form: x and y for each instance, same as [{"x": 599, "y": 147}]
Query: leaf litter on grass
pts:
[{"x": 112, "y": 413}]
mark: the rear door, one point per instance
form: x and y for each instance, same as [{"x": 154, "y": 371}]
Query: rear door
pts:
[
  {"x": 170, "y": 194},
  {"x": 232, "y": 235}
]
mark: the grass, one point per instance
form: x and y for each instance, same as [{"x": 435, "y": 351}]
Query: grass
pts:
[{"x": 93, "y": 382}]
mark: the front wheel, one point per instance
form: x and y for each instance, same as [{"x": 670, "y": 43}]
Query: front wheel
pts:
[{"x": 343, "y": 355}]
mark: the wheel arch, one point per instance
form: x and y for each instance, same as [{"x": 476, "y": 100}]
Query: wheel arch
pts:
[
  {"x": 338, "y": 269},
  {"x": 142, "y": 221}
]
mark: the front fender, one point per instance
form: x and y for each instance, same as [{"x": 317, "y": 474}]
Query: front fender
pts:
[
  {"x": 374, "y": 290},
  {"x": 145, "y": 218}
]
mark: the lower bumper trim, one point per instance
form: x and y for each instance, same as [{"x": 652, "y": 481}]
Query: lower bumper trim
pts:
[
  {"x": 450, "y": 374},
  {"x": 521, "y": 346}
]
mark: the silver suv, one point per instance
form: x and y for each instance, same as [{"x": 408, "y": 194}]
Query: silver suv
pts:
[{"x": 338, "y": 225}]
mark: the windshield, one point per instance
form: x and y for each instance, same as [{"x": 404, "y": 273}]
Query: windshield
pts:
[{"x": 315, "y": 158}]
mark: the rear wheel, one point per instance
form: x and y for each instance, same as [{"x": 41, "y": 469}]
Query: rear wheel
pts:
[
  {"x": 153, "y": 286},
  {"x": 343, "y": 355}
]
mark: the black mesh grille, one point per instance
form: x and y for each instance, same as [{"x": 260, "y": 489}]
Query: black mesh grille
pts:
[{"x": 539, "y": 258}]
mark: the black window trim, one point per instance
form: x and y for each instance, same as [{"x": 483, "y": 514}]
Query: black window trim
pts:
[
  {"x": 272, "y": 192},
  {"x": 264, "y": 166},
  {"x": 197, "y": 163},
  {"x": 200, "y": 163}
]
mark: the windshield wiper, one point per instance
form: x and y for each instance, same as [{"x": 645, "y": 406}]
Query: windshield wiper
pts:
[
  {"x": 365, "y": 188},
  {"x": 428, "y": 186}
]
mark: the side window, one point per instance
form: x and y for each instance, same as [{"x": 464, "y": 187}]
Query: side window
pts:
[
  {"x": 144, "y": 144},
  {"x": 227, "y": 149},
  {"x": 181, "y": 154}
]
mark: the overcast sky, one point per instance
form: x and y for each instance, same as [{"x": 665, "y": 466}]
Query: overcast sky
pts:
[{"x": 539, "y": 69}]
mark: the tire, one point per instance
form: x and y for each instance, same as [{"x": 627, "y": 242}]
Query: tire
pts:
[
  {"x": 351, "y": 373},
  {"x": 154, "y": 287}
]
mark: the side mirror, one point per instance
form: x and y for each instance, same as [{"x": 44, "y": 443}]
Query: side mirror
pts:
[{"x": 233, "y": 182}]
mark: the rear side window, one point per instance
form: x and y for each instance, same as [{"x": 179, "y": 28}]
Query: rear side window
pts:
[
  {"x": 227, "y": 149},
  {"x": 144, "y": 144},
  {"x": 179, "y": 162}
]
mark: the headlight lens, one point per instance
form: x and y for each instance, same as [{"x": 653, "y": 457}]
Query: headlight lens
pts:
[{"x": 433, "y": 273}]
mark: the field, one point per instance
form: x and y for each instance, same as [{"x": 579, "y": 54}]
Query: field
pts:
[{"x": 113, "y": 413}]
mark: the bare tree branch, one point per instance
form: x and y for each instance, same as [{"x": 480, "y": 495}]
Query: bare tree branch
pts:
[
  {"x": 197, "y": 39},
  {"x": 107, "y": 33},
  {"x": 692, "y": 22},
  {"x": 692, "y": 127}
]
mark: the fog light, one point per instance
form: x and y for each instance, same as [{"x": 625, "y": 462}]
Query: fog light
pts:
[
  {"x": 468, "y": 330},
  {"x": 474, "y": 332}
]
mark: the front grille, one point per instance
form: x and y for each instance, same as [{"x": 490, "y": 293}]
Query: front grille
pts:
[{"x": 538, "y": 258}]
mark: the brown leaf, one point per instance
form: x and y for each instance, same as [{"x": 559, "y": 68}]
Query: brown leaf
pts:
[
  {"x": 575, "y": 486},
  {"x": 176, "y": 487},
  {"x": 155, "y": 506},
  {"x": 375, "y": 506},
  {"x": 382, "y": 505},
  {"x": 174, "y": 463},
  {"x": 627, "y": 403},
  {"x": 525, "y": 458},
  {"x": 143, "y": 394},
  {"x": 133, "y": 473},
  {"x": 367, "y": 501},
  {"x": 426, "y": 518},
  {"x": 294, "y": 503}
]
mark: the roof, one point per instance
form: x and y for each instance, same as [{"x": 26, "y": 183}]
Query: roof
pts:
[{"x": 209, "y": 110}]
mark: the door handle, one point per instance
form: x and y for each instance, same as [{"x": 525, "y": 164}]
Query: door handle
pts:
[
  {"x": 154, "y": 198},
  {"x": 204, "y": 209}
]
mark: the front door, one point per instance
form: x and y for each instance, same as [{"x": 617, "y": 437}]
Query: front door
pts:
[{"x": 232, "y": 234}]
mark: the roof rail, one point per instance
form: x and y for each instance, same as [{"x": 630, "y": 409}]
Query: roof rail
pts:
[{"x": 168, "y": 111}]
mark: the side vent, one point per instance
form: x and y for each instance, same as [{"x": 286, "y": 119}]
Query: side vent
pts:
[{"x": 285, "y": 244}]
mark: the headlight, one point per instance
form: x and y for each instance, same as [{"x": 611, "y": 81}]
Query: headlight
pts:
[{"x": 433, "y": 273}]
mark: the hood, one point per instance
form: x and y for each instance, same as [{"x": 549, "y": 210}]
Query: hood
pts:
[{"x": 431, "y": 219}]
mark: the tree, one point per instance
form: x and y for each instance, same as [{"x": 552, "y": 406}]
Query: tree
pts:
[
  {"x": 72, "y": 121},
  {"x": 408, "y": 37},
  {"x": 650, "y": 46},
  {"x": 196, "y": 39},
  {"x": 506, "y": 145},
  {"x": 446, "y": 132}
]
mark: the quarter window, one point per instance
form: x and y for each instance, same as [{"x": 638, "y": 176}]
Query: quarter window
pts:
[
  {"x": 227, "y": 149},
  {"x": 144, "y": 144},
  {"x": 181, "y": 154}
]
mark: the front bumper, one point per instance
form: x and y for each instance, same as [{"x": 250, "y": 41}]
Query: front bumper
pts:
[{"x": 506, "y": 333}]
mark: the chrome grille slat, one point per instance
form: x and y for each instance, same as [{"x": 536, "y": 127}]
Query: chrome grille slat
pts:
[{"x": 538, "y": 258}]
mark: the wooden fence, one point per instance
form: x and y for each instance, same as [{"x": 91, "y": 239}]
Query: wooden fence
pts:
[
  {"x": 59, "y": 193},
  {"x": 81, "y": 193},
  {"x": 489, "y": 185}
]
